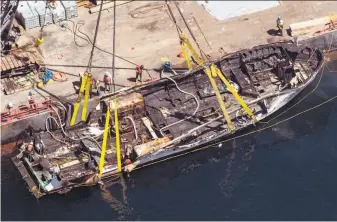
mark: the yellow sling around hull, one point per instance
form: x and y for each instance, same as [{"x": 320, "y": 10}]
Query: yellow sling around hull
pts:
[
  {"x": 118, "y": 146},
  {"x": 215, "y": 73},
  {"x": 236, "y": 95},
  {"x": 105, "y": 138},
  {"x": 85, "y": 85},
  {"x": 86, "y": 98}
]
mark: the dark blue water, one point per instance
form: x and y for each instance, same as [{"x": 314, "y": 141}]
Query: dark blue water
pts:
[{"x": 287, "y": 172}]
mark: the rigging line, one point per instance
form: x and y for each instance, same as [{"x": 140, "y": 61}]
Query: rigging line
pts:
[
  {"x": 306, "y": 96},
  {"x": 113, "y": 49},
  {"x": 95, "y": 37},
  {"x": 44, "y": 24},
  {"x": 191, "y": 33},
  {"x": 173, "y": 18},
  {"x": 96, "y": 67},
  {"x": 246, "y": 134},
  {"x": 327, "y": 67},
  {"x": 77, "y": 26}
]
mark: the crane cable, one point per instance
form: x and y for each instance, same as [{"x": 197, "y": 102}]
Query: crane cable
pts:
[
  {"x": 95, "y": 37},
  {"x": 86, "y": 80},
  {"x": 202, "y": 53},
  {"x": 114, "y": 49}
]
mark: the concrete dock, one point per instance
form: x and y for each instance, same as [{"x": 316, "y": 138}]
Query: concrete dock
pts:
[{"x": 145, "y": 36}]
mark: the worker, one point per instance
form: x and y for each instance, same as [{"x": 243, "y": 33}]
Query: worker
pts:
[
  {"x": 92, "y": 86},
  {"x": 29, "y": 149},
  {"x": 98, "y": 87},
  {"x": 167, "y": 66},
  {"x": 139, "y": 72},
  {"x": 52, "y": 3},
  {"x": 107, "y": 81},
  {"x": 9, "y": 107},
  {"x": 279, "y": 24},
  {"x": 31, "y": 100}
]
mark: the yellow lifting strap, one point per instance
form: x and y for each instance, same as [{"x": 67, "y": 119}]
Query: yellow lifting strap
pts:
[
  {"x": 118, "y": 146},
  {"x": 220, "y": 100},
  {"x": 209, "y": 74},
  {"x": 105, "y": 138},
  {"x": 188, "y": 61},
  {"x": 86, "y": 98},
  {"x": 221, "y": 76},
  {"x": 79, "y": 98},
  {"x": 235, "y": 94}
]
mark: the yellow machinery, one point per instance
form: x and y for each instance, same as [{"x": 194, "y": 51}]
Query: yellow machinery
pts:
[{"x": 85, "y": 87}]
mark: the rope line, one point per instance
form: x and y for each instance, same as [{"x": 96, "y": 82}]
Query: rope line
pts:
[
  {"x": 113, "y": 50},
  {"x": 95, "y": 37}
]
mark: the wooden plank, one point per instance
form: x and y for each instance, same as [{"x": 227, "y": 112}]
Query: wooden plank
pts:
[
  {"x": 3, "y": 68},
  {"x": 5, "y": 63},
  {"x": 14, "y": 61},
  {"x": 10, "y": 62},
  {"x": 19, "y": 62},
  {"x": 31, "y": 58}
]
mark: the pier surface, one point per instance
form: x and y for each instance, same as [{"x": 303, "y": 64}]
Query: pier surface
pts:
[{"x": 145, "y": 36}]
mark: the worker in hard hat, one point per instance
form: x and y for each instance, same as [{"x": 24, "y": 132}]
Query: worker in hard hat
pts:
[
  {"x": 9, "y": 107},
  {"x": 98, "y": 87},
  {"x": 52, "y": 3},
  {"x": 139, "y": 72},
  {"x": 107, "y": 81},
  {"x": 29, "y": 149},
  {"x": 31, "y": 100},
  {"x": 279, "y": 24}
]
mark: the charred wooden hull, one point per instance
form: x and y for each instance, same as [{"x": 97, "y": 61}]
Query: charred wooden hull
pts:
[
  {"x": 174, "y": 115},
  {"x": 276, "y": 100}
]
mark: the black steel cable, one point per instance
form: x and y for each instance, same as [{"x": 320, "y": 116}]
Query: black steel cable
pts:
[
  {"x": 124, "y": 3},
  {"x": 77, "y": 26},
  {"x": 44, "y": 19},
  {"x": 96, "y": 67},
  {"x": 190, "y": 31},
  {"x": 113, "y": 49},
  {"x": 95, "y": 37}
]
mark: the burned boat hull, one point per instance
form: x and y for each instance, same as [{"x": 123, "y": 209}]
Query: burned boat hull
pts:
[
  {"x": 278, "y": 100},
  {"x": 181, "y": 113}
]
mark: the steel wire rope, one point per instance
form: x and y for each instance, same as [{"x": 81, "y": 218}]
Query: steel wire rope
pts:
[
  {"x": 114, "y": 50},
  {"x": 77, "y": 28},
  {"x": 95, "y": 37},
  {"x": 202, "y": 53},
  {"x": 182, "y": 91}
]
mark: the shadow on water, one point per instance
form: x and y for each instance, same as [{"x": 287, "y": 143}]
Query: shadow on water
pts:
[{"x": 282, "y": 173}]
